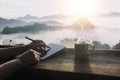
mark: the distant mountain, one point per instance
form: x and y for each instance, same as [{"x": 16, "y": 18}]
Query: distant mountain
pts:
[
  {"x": 28, "y": 18},
  {"x": 115, "y": 14},
  {"x": 112, "y": 14},
  {"x": 11, "y": 23},
  {"x": 55, "y": 17},
  {"x": 82, "y": 23},
  {"x": 53, "y": 23},
  {"x": 28, "y": 28}
]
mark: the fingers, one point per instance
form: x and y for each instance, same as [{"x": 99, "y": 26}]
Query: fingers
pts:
[
  {"x": 35, "y": 46},
  {"x": 35, "y": 52},
  {"x": 29, "y": 57},
  {"x": 37, "y": 58},
  {"x": 36, "y": 55}
]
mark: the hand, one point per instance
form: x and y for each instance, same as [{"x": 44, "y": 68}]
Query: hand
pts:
[
  {"x": 37, "y": 45},
  {"x": 29, "y": 57}
]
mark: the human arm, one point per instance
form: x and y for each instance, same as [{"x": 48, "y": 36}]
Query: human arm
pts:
[
  {"x": 11, "y": 52},
  {"x": 27, "y": 58},
  {"x": 14, "y": 51}
]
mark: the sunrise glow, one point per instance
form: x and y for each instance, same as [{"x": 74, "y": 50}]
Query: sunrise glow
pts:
[{"x": 83, "y": 7}]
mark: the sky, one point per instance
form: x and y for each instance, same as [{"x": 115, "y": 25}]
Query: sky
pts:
[{"x": 17, "y": 8}]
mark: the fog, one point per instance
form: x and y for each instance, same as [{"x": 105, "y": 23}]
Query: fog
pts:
[{"x": 107, "y": 31}]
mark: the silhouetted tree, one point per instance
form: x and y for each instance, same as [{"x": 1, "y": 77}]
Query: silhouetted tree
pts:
[{"x": 117, "y": 46}]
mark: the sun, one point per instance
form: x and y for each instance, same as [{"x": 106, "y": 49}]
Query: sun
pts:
[{"x": 83, "y": 8}]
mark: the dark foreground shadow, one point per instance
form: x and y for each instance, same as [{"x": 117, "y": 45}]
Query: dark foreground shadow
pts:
[{"x": 82, "y": 66}]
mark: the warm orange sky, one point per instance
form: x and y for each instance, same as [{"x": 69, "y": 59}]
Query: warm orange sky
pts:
[{"x": 16, "y": 8}]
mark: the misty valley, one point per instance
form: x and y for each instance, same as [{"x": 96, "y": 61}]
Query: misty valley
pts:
[{"x": 61, "y": 29}]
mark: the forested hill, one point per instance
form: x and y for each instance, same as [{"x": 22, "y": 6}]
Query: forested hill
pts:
[
  {"x": 11, "y": 23},
  {"x": 28, "y": 28}
]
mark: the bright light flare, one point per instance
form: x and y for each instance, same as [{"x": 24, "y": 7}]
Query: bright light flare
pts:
[{"x": 83, "y": 8}]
